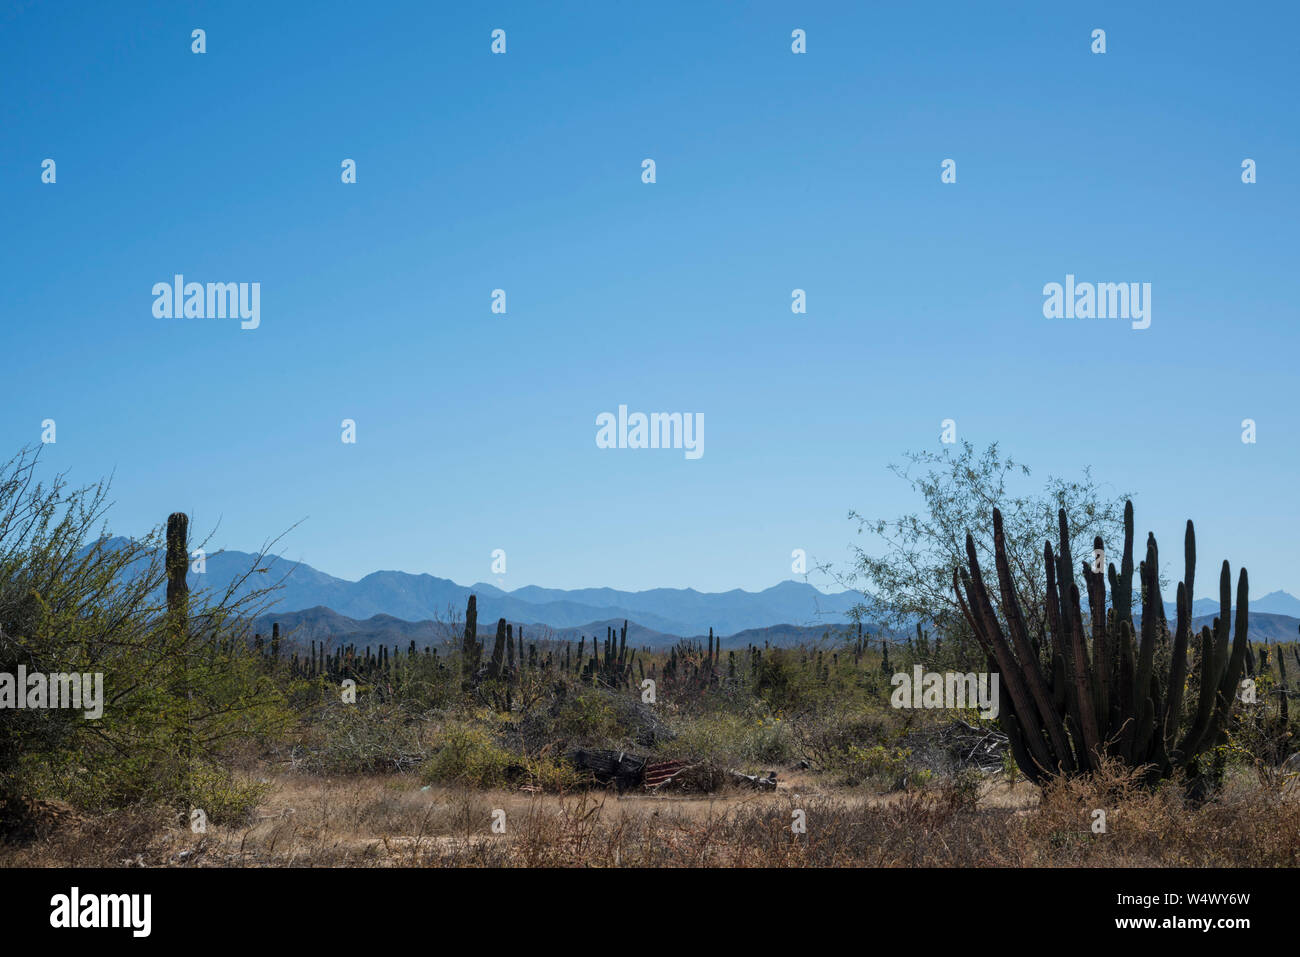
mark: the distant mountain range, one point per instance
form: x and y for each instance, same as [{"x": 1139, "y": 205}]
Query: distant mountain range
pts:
[
  {"x": 1274, "y": 603},
  {"x": 1264, "y": 626},
  {"x": 395, "y": 607},
  {"x": 324, "y": 624},
  {"x": 1273, "y": 617},
  {"x": 426, "y": 598}
]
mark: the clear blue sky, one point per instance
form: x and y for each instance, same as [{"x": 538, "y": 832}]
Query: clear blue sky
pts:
[{"x": 775, "y": 171}]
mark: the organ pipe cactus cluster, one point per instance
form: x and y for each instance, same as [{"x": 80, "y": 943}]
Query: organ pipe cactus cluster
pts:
[
  {"x": 694, "y": 666},
  {"x": 614, "y": 668},
  {"x": 1111, "y": 688}
]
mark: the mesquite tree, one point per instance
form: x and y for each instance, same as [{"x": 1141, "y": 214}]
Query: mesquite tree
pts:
[
  {"x": 909, "y": 579},
  {"x": 179, "y": 681}
]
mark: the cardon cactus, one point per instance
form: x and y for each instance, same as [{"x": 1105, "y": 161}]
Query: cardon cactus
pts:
[
  {"x": 498, "y": 650},
  {"x": 177, "y": 564},
  {"x": 1281, "y": 686},
  {"x": 471, "y": 649},
  {"x": 1094, "y": 693}
]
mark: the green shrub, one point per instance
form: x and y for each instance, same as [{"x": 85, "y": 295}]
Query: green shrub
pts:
[
  {"x": 552, "y": 774},
  {"x": 223, "y": 797},
  {"x": 469, "y": 755},
  {"x": 724, "y": 737},
  {"x": 876, "y": 764},
  {"x": 824, "y": 737},
  {"x": 365, "y": 738},
  {"x": 588, "y": 718}
]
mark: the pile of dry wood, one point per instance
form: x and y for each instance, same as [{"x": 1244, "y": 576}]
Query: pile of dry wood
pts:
[
  {"x": 970, "y": 746},
  {"x": 626, "y": 771}
]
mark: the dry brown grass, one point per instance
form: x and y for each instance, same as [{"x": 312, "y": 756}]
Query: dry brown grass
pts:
[{"x": 389, "y": 821}]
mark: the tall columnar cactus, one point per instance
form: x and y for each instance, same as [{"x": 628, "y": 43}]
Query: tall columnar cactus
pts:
[
  {"x": 471, "y": 650},
  {"x": 1102, "y": 691},
  {"x": 498, "y": 650},
  {"x": 178, "y": 563},
  {"x": 178, "y": 612},
  {"x": 1284, "y": 706}
]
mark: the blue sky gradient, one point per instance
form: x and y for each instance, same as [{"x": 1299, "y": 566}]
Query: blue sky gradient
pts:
[{"x": 775, "y": 171}]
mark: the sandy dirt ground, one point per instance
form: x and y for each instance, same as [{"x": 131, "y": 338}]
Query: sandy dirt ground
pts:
[{"x": 369, "y": 820}]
